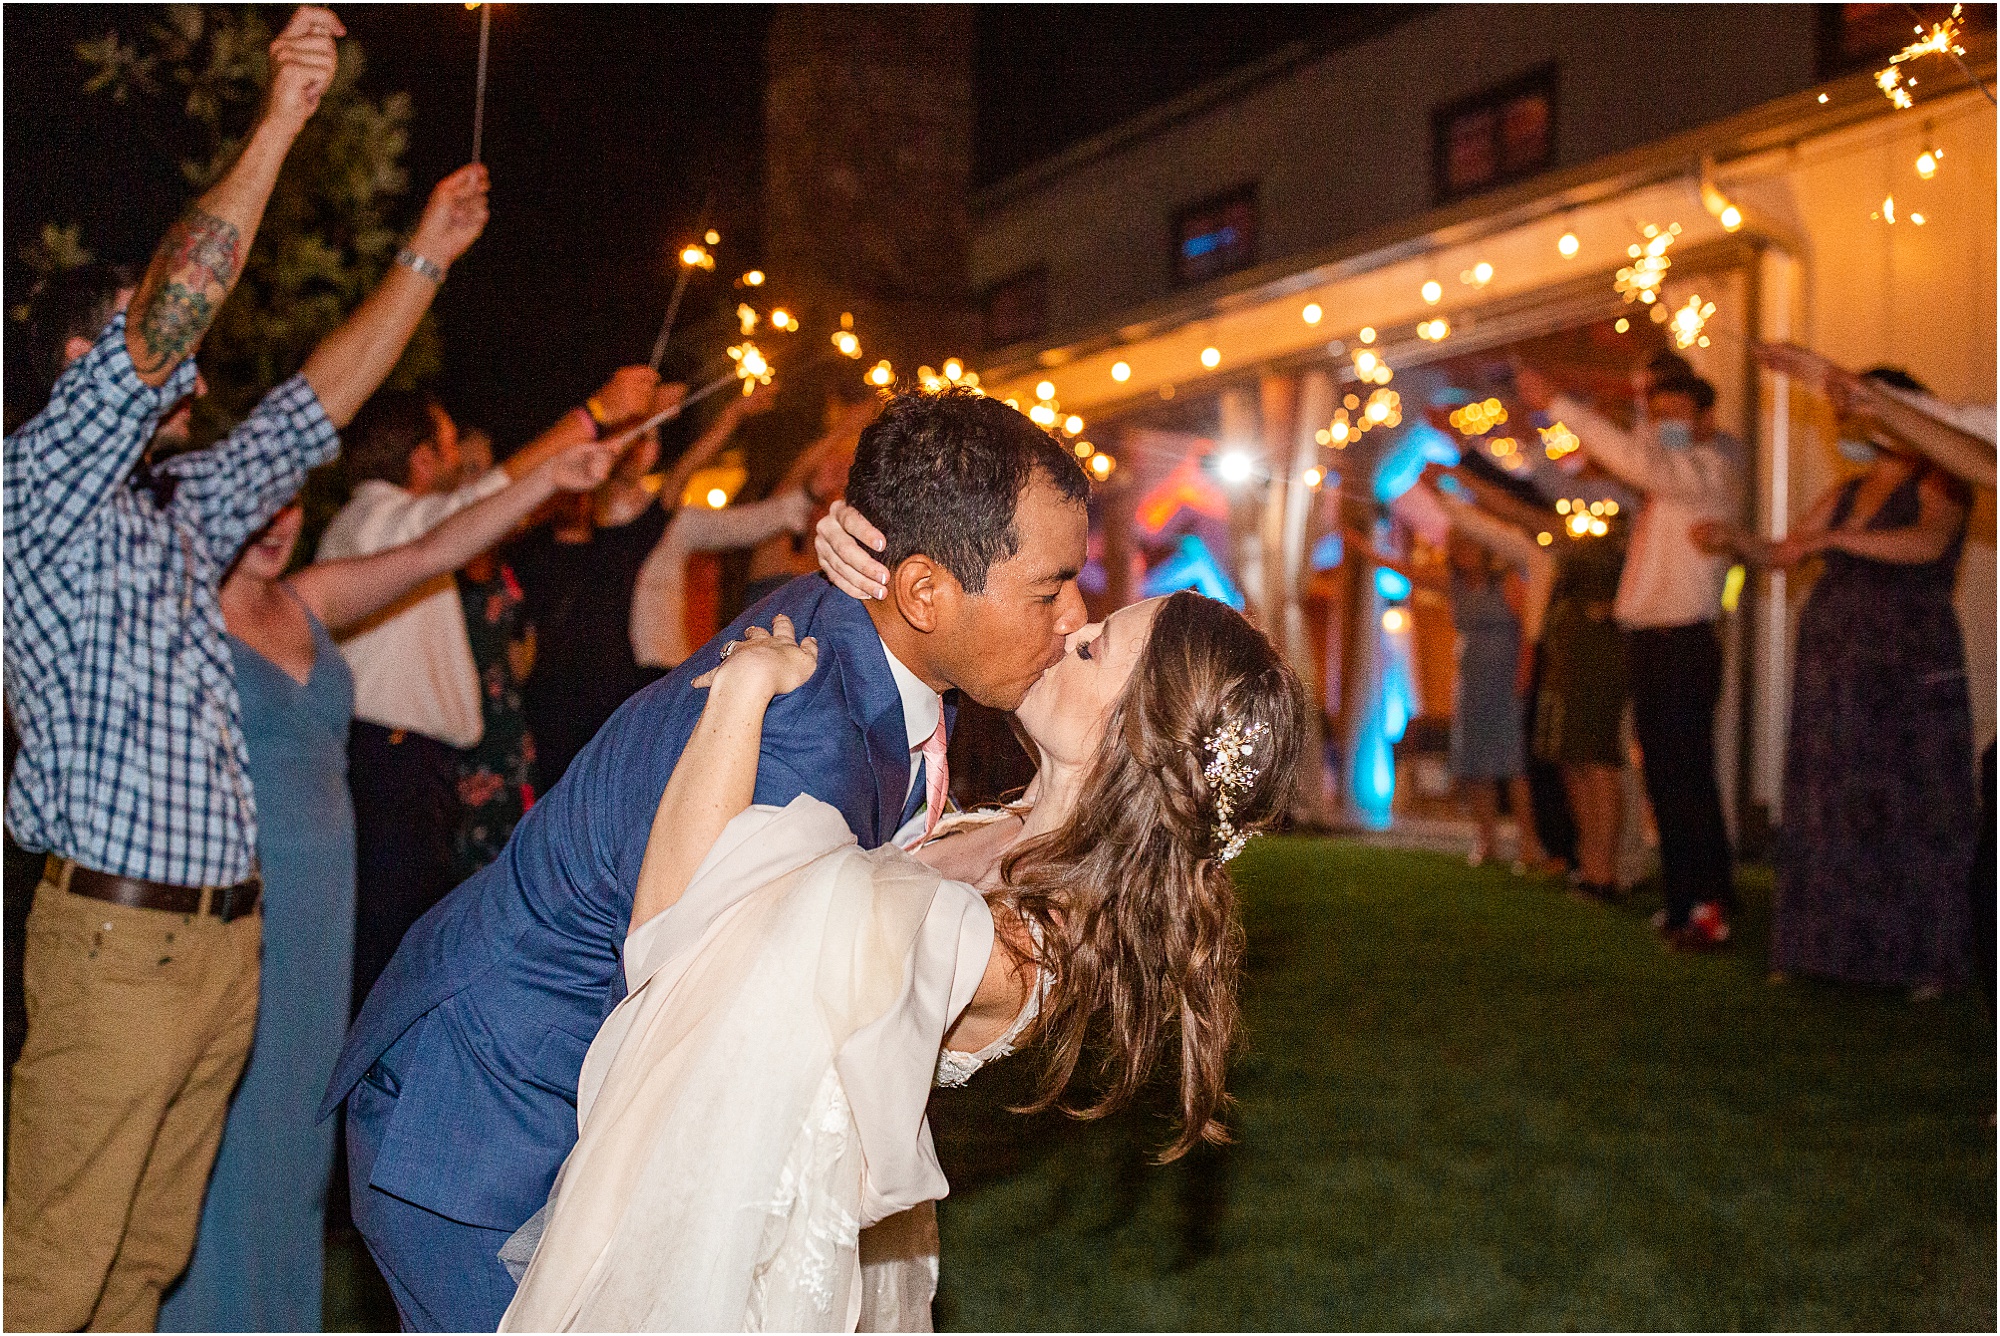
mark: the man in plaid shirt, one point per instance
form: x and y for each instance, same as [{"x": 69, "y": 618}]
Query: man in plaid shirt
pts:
[{"x": 142, "y": 946}]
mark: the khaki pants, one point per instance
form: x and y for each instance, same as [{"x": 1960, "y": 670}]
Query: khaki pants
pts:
[{"x": 139, "y": 1023}]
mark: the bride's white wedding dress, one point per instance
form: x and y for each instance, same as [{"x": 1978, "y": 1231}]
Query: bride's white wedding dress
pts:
[{"x": 752, "y": 1150}]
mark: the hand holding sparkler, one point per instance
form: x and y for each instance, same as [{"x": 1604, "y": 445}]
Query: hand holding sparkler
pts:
[{"x": 453, "y": 218}]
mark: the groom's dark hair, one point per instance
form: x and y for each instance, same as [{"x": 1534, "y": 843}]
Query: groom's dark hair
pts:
[{"x": 941, "y": 474}]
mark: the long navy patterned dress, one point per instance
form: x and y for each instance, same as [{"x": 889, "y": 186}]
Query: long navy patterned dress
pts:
[{"x": 1879, "y": 801}]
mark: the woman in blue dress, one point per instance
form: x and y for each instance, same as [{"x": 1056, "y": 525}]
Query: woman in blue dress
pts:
[{"x": 257, "y": 1262}]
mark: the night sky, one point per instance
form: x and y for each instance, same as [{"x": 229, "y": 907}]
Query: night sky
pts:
[{"x": 605, "y": 128}]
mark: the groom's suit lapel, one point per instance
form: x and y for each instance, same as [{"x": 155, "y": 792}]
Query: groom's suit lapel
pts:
[{"x": 876, "y": 707}]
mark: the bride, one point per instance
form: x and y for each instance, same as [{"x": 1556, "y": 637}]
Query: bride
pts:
[{"x": 752, "y": 1150}]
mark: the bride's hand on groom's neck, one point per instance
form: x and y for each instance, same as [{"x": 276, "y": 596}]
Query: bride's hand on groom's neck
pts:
[{"x": 852, "y": 567}]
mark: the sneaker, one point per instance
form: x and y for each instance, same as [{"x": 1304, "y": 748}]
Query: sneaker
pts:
[{"x": 1705, "y": 930}]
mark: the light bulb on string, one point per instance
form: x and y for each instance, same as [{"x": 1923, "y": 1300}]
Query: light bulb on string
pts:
[
  {"x": 1121, "y": 372},
  {"x": 1567, "y": 245},
  {"x": 1211, "y": 358},
  {"x": 1312, "y": 314}
]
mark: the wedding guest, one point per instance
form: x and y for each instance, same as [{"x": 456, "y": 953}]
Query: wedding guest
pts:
[
  {"x": 258, "y": 1255},
  {"x": 1879, "y": 796},
  {"x": 1668, "y": 600},
  {"x": 821, "y": 472},
  {"x": 1499, "y": 583},
  {"x": 579, "y": 576},
  {"x": 1578, "y": 725},
  {"x": 496, "y": 775},
  {"x": 417, "y": 697},
  {"x": 142, "y": 948}
]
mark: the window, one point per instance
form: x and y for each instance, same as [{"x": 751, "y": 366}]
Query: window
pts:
[
  {"x": 1217, "y": 236},
  {"x": 1017, "y": 308},
  {"x": 1497, "y": 136}
]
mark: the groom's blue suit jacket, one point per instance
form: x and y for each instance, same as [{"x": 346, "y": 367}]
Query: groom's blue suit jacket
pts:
[{"x": 502, "y": 985}]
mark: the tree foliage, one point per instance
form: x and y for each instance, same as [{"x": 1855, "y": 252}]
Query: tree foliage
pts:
[{"x": 327, "y": 236}]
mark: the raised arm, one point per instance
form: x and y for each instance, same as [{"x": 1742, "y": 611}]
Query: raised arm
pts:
[
  {"x": 197, "y": 265},
  {"x": 716, "y": 776},
  {"x": 710, "y": 443},
  {"x": 349, "y": 590},
  {"x": 353, "y": 361}
]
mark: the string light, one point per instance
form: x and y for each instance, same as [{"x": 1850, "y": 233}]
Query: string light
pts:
[
  {"x": 1121, "y": 372},
  {"x": 696, "y": 257},
  {"x": 953, "y": 369},
  {"x": 782, "y": 319},
  {"x": 1434, "y": 331},
  {"x": 1503, "y": 447},
  {"x": 1478, "y": 276},
  {"x": 847, "y": 343},
  {"x": 1567, "y": 245},
  {"x": 1598, "y": 528},
  {"x": 1393, "y": 620},
  {"x": 1731, "y": 217},
  {"x": 1640, "y": 281},
  {"x": 1312, "y": 313},
  {"x": 1545, "y": 538},
  {"x": 1942, "y": 40},
  {"x": 712, "y": 237},
  {"x": 1211, "y": 358},
  {"x": 881, "y": 373},
  {"x": 1101, "y": 465},
  {"x": 1084, "y": 449},
  {"x": 1314, "y": 477},
  {"x": 1433, "y": 292},
  {"x": 754, "y": 279},
  {"x": 746, "y": 317},
  {"x": 1072, "y": 424},
  {"x": 1235, "y": 467},
  {"x": 1045, "y": 391},
  {"x": 1621, "y": 324},
  {"x": 1367, "y": 334},
  {"x": 1042, "y": 415},
  {"x": 717, "y": 498},
  {"x": 1688, "y": 323}
]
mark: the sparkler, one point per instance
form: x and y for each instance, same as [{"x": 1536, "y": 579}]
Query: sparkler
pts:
[
  {"x": 1941, "y": 40},
  {"x": 693, "y": 257},
  {"x": 479, "y": 82},
  {"x": 1688, "y": 322},
  {"x": 1640, "y": 281}
]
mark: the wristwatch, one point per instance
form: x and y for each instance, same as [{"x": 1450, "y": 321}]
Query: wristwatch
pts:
[{"x": 416, "y": 263}]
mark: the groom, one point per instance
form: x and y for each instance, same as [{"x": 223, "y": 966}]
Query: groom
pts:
[{"x": 460, "y": 1075}]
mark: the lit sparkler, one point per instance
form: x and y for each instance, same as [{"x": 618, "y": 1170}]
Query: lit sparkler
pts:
[
  {"x": 1640, "y": 281},
  {"x": 1689, "y": 321},
  {"x": 1941, "y": 40}
]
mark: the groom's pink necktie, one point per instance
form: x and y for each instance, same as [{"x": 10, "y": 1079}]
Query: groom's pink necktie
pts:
[{"x": 937, "y": 781}]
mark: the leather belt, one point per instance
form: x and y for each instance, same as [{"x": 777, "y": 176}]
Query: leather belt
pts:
[{"x": 225, "y": 902}]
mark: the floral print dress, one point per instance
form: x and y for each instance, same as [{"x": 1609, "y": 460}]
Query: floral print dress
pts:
[{"x": 496, "y": 775}]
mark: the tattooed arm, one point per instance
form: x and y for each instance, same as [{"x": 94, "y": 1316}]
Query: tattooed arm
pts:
[{"x": 202, "y": 256}]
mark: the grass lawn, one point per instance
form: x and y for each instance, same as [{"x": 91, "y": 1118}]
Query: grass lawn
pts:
[{"x": 1471, "y": 1102}]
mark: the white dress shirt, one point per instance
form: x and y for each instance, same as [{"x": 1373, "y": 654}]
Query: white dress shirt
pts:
[
  {"x": 1667, "y": 580},
  {"x": 412, "y": 664},
  {"x": 922, "y": 709},
  {"x": 659, "y": 597}
]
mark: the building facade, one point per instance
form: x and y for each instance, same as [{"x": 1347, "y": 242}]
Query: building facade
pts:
[{"x": 1222, "y": 274}]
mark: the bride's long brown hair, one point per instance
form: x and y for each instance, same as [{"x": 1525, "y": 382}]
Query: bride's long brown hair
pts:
[{"x": 1134, "y": 910}]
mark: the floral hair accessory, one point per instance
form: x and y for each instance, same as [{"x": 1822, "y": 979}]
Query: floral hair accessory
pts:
[{"x": 1230, "y": 775}]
